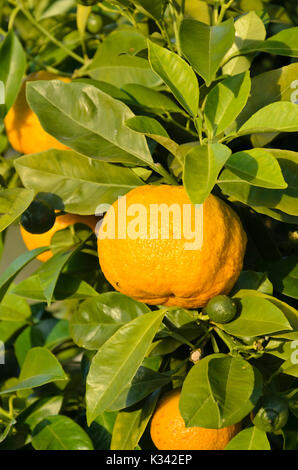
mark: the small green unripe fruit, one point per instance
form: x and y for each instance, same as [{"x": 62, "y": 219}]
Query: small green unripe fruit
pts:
[
  {"x": 271, "y": 413},
  {"x": 94, "y": 23},
  {"x": 221, "y": 309},
  {"x": 38, "y": 218}
]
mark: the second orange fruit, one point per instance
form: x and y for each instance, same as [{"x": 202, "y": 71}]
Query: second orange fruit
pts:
[
  {"x": 23, "y": 129},
  {"x": 33, "y": 241},
  {"x": 168, "y": 430}
]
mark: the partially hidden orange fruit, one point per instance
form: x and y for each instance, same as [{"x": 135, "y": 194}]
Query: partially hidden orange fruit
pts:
[
  {"x": 161, "y": 270},
  {"x": 33, "y": 241},
  {"x": 23, "y": 129},
  {"x": 168, "y": 430}
]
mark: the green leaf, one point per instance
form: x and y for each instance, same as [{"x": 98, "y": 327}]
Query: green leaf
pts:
[
  {"x": 115, "y": 61},
  {"x": 151, "y": 100},
  {"x": 89, "y": 127},
  {"x": 13, "y": 202},
  {"x": 67, "y": 287},
  {"x": 225, "y": 101},
  {"x": 49, "y": 333},
  {"x": 255, "y": 281},
  {"x": 279, "y": 116},
  {"x": 257, "y": 167},
  {"x": 50, "y": 271},
  {"x": 283, "y": 43},
  {"x": 14, "y": 308},
  {"x": 213, "y": 41},
  {"x": 80, "y": 182},
  {"x": 13, "y": 66},
  {"x": 289, "y": 312},
  {"x": 40, "y": 367},
  {"x": 177, "y": 74},
  {"x": 15, "y": 267},
  {"x": 60, "y": 433},
  {"x": 143, "y": 384},
  {"x": 251, "y": 323},
  {"x": 219, "y": 391},
  {"x": 249, "y": 29},
  {"x": 153, "y": 129},
  {"x": 39, "y": 410},
  {"x": 130, "y": 424},
  {"x": 124, "y": 352},
  {"x": 101, "y": 430},
  {"x": 154, "y": 8},
  {"x": 97, "y": 319},
  {"x": 267, "y": 88},
  {"x": 250, "y": 438},
  {"x": 259, "y": 198},
  {"x": 201, "y": 169},
  {"x": 284, "y": 276}
]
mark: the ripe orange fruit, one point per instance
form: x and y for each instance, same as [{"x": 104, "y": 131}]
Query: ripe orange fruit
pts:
[
  {"x": 44, "y": 239},
  {"x": 163, "y": 271},
  {"x": 22, "y": 125},
  {"x": 168, "y": 430}
]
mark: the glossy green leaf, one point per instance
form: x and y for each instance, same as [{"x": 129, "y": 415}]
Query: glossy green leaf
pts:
[
  {"x": 251, "y": 323},
  {"x": 283, "y": 43},
  {"x": 14, "y": 308},
  {"x": 255, "y": 281},
  {"x": 249, "y": 28},
  {"x": 130, "y": 424},
  {"x": 15, "y": 267},
  {"x": 278, "y": 199},
  {"x": 124, "y": 353},
  {"x": 60, "y": 433},
  {"x": 13, "y": 66},
  {"x": 290, "y": 313},
  {"x": 80, "y": 182},
  {"x": 219, "y": 391},
  {"x": 115, "y": 61},
  {"x": 39, "y": 410},
  {"x": 201, "y": 169},
  {"x": 177, "y": 75},
  {"x": 284, "y": 276},
  {"x": 40, "y": 367},
  {"x": 250, "y": 438},
  {"x": 280, "y": 116},
  {"x": 88, "y": 127},
  {"x": 143, "y": 384},
  {"x": 67, "y": 287},
  {"x": 152, "y": 128},
  {"x": 50, "y": 271},
  {"x": 257, "y": 167},
  {"x": 97, "y": 319},
  {"x": 149, "y": 99},
  {"x": 213, "y": 41},
  {"x": 269, "y": 87},
  {"x": 13, "y": 202},
  {"x": 101, "y": 430},
  {"x": 225, "y": 102},
  {"x": 49, "y": 333},
  {"x": 154, "y": 8}
]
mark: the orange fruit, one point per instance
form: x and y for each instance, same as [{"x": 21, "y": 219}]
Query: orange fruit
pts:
[
  {"x": 168, "y": 430},
  {"x": 23, "y": 129},
  {"x": 161, "y": 270},
  {"x": 33, "y": 241}
]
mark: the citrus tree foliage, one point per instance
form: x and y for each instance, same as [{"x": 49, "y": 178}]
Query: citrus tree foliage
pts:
[{"x": 199, "y": 93}]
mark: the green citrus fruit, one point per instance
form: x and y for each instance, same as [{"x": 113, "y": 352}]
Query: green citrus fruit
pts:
[
  {"x": 94, "y": 23},
  {"x": 271, "y": 413},
  {"x": 221, "y": 309},
  {"x": 38, "y": 218}
]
